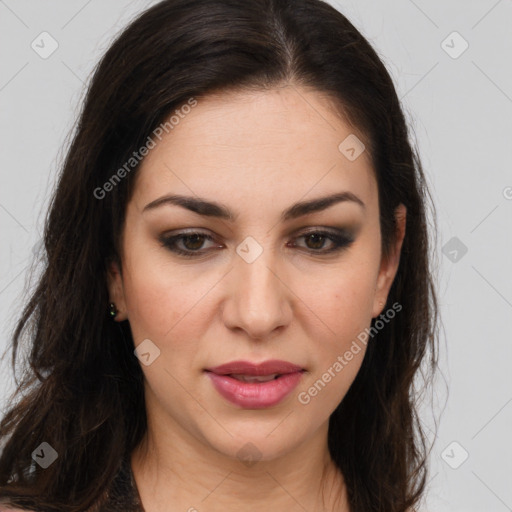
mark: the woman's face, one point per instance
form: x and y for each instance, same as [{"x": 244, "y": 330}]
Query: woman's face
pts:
[{"x": 259, "y": 284}]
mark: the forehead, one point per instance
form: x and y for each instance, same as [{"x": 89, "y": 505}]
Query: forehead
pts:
[{"x": 281, "y": 143}]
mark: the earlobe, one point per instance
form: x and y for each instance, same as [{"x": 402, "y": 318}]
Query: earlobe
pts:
[
  {"x": 389, "y": 265},
  {"x": 116, "y": 293}
]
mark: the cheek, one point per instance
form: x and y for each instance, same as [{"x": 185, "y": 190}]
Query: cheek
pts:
[
  {"x": 344, "y": 304},
  {"x": 166, "y": 305},
  {"x": 340, "y": 348},
  {"x": 155, "y": 299},
  {"x": 343, "y": 298},
  {"x": 346, "y": 311}
]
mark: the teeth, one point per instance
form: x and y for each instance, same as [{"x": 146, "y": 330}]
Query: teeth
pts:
[{"x": 254, "y": 378}]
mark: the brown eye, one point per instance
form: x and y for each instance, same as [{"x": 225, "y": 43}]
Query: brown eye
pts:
[
  {"x": 315, "y": 241},
  {"x": 191, "y": 243}
]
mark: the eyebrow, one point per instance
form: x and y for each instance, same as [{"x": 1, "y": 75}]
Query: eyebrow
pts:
[{"x": 213, "y": 209}]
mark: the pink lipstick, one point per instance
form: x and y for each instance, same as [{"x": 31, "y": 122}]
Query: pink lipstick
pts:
[{"x": 255, "y": 386}]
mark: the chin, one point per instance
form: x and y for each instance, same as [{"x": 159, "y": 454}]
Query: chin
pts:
[{"x": 252, "y": 441}]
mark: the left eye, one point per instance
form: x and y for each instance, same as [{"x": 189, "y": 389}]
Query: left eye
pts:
[
  {"x": 339, "y": 240},
  {"x": 193, "y": 242}
]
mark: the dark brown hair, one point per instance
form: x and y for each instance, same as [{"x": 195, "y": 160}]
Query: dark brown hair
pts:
[{"x": 82, "y": 388}]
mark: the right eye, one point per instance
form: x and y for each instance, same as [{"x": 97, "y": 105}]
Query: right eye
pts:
[{"x": 192, "y": 241}]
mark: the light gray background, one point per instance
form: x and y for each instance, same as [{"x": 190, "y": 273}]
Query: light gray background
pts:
[{"x": 461, "y": 112}]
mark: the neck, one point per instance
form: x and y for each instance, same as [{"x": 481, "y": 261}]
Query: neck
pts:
[{"x": 174, "y": 470}]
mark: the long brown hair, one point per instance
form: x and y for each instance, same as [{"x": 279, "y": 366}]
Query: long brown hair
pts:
[{"x": 82, "y": 388}]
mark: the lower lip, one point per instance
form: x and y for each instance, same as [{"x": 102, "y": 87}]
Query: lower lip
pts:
[{"x": 255, "y": 395}]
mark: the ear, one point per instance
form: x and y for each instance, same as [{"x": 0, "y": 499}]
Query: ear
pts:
[
  {"x": 389, "y": 265},
  {"x": 116, "y": 291}
]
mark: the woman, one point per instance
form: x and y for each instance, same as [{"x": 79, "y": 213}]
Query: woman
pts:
[{"x": 237, "y": 294}]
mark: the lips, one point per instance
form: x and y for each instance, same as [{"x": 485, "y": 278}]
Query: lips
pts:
[
  {"x": 254, "y": 378},
  {"x": 265, "y": 368},
  {"x": 255, "y": 386}
]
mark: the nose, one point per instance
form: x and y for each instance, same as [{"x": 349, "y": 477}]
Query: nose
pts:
[{"x": 259, "y": 299}]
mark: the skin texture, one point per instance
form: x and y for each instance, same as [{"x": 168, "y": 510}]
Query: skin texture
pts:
[{"x": 257, "y": 153}]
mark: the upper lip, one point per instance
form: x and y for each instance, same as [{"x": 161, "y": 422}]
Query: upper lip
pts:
[{"x": 247, "y": 368}]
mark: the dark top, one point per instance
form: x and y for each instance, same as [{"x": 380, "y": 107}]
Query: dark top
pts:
[{"x": 123, "y": 495}]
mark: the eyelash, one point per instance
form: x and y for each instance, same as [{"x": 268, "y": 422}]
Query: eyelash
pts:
[{"x": 340, "y": 240}]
